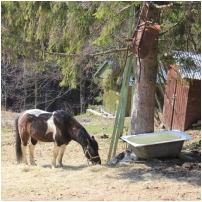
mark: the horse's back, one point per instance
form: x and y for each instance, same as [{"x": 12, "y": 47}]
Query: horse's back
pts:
[
  {"x": 34, "y": 123},
  {"x": 35, "y": 112},
  {"x": 66, "y": 117}
]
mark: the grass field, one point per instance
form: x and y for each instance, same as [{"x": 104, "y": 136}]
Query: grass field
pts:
[{"x": 150, "y": 180}]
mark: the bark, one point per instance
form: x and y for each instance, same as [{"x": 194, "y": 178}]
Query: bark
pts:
[
  {"x": 25, "y": 88},
  {"x": 82, "y": 92},
  {"x": 5, "y": 88},
  {"x": 35, "y": 92},
  {"x": 142, "y": 114}
]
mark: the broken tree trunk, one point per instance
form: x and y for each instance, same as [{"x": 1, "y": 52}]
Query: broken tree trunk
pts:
[{"x": 142, "y": 114}]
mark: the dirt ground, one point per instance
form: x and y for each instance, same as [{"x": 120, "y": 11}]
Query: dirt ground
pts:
[{"x": 176, "y": 179}]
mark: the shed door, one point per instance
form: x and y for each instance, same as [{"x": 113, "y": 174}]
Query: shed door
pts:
[
  {"x": 175, "y": 102},
  {"x": 180, "y": 106},
  {"x": 169, "y": 99}
]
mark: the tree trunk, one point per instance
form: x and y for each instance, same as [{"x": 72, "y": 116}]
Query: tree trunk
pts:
[
  {"x": 142, "y": 115},
  {"x": 5, "y": 86},
  {"x": 25, "y": 87},
  {"x": 35, "y": 92},
  {"x": 82, "y": 92},
  {"x": 6, "y": 97}
]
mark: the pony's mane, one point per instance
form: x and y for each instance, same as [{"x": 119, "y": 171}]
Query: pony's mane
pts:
[
  {"x": 67, "y": 116},
  {"x": 83, "y": 136}
]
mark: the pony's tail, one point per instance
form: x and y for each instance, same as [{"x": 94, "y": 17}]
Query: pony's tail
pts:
[{"x": 18, "y": 142}]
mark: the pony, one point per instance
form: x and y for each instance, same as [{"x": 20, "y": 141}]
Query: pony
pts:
[{"x": 59, "y": 127}]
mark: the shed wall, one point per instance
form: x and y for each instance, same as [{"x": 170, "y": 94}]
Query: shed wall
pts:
[
  {"x": 168, "y": 99},
  {"x": 193, "y": 112},
  {"x": 179, "y": 112},
  {"x": 182, "y": 102},
  {"x": 111, "y": 101}
]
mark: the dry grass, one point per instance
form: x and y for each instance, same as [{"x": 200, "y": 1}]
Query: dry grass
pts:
[{"x": 78, "y": 181}]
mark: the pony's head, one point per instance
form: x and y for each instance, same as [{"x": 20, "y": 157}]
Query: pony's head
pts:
[{"x": 91, "y": 151}]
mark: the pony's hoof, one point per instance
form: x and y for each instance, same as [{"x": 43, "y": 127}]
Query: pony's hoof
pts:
[
  {"x": 53, "y": 166},
  {"x": 60, "y": 165},
  {"x": 33, "y": 164}
]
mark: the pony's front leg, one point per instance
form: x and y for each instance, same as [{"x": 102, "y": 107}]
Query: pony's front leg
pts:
[
  {"x": 31, "y": 151},
  {"x": 24, "y": 159},
  {"x": 61, "y": 153},
  {"x": 55, "y": 154}
]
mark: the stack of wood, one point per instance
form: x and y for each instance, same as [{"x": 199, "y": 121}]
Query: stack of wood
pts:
[{"x": 197, "y": 126}]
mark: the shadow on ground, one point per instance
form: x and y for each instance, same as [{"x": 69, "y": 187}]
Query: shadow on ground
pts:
[{"x": 186, "y": 168}]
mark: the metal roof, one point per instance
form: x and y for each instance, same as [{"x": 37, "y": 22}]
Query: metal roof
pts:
[{"x": 189, "y": 64}]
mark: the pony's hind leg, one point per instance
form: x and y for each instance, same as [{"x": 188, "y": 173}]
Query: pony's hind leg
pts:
[
  {"x": 55, "y": 154},
  {"x": 24, "y": 148},
  {"x": 61, "y": 153},
  {"x": 24, "y": 159},
  {"x": 31, "y": 151},
  {"x": 24, "y": 136}
]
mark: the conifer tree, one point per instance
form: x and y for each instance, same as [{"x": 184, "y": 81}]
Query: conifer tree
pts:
[{"x": 73, "y": 35}]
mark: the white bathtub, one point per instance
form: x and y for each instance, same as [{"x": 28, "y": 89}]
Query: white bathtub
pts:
[{"x": 159, "y": 144}]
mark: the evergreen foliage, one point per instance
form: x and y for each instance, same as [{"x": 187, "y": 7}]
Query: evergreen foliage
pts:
[{"x": 66, "y": 33}]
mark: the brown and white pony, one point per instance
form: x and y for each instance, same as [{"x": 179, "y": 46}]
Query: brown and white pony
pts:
[{"x": 59, "y": 127}]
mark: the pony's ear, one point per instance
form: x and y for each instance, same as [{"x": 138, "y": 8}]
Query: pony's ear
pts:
[{"x": 93, "y": 137}]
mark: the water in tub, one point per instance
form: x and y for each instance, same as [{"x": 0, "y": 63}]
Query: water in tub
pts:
[{"x": 150, "y": 139}]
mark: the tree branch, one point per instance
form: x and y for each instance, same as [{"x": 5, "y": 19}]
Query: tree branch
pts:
[
  {"x": 63, "y": 54},
  {"x": 122, "y": 10},
  {"x": 38, "y": 48},
  {"x": 162, "y": 33},
  {"x": 125, "y": 8},
  {"x": 107, "y": 52}
]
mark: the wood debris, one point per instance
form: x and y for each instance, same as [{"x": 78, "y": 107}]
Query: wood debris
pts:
[{"x": 197, "y": 126}]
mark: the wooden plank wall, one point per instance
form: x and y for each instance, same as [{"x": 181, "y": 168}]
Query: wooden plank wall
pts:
[
  {"x": 193, "y": 111},
  {"x": 182, "y": 102},
  {"x": 111, "y": 101},
  {"x": 179, "y": 113},
  {"x": 168, "y": 101}
]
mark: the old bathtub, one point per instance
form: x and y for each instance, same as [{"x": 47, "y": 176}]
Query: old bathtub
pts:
[{"x": 159, "y": 144}]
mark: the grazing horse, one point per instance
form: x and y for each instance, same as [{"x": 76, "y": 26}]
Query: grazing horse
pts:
[{"x": 59, "y": 127}]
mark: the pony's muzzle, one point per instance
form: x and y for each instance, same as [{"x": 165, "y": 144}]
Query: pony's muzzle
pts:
[
  {"x": 93, "y": 159},
  {"x": 96, "y": 161}
]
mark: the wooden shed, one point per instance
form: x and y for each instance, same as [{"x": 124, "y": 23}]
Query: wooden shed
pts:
[
  {"x": 182, "y": 99},
  {"x": 111, "y": 96},
  {"x": 111, "y": 101}
]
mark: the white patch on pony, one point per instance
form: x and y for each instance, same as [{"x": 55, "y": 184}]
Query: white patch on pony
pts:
[
  {"x": 51, "y": 127},
  {"x": 36, "y": 112}
]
